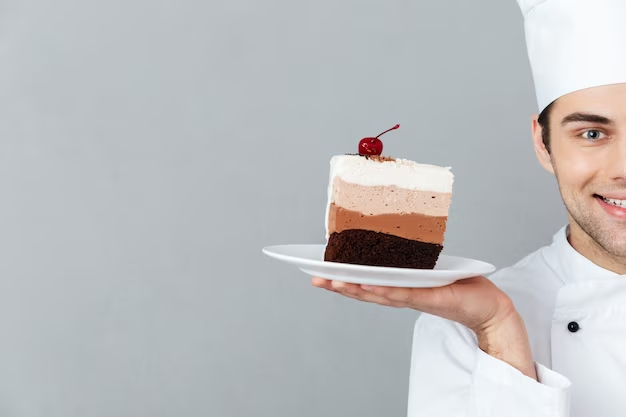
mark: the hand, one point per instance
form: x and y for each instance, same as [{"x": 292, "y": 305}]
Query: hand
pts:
[{"x": 475, "y": 303}]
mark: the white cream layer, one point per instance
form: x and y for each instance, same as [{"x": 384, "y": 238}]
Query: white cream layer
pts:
[{"x": 401, "y": 173}]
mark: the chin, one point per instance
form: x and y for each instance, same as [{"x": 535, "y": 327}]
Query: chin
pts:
[
  {"x": 612, "y": 239},
  {"x": 606, "y": 231}
]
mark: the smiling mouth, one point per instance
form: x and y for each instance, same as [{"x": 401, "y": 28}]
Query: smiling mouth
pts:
[{"x": 611, "y": 201}]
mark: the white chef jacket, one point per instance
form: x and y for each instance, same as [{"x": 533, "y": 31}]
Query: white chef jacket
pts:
[{"x": 575, "y": 314}]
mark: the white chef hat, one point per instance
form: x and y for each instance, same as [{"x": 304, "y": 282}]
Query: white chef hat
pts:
[{"x": 574, "y": 45}]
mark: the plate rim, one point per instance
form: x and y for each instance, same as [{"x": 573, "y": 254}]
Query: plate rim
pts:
[{"x": 267, "y": 250}]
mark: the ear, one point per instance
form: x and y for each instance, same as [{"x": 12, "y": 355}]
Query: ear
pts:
[{"x": 543, "y": 155}]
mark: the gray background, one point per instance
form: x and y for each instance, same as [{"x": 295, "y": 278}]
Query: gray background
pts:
[{"x": 150, "y": 149}]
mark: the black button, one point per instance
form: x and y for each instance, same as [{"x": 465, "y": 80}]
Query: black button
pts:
[{"x": 573, "y": 327}]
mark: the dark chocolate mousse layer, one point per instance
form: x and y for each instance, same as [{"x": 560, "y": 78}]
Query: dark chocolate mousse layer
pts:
[{"x": 365, "y": 247}]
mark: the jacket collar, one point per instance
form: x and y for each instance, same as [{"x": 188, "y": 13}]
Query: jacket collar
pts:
[{"x": 572, "y": 267}]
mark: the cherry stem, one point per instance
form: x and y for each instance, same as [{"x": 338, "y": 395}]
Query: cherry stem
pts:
[{"x": 393, "y": 128}]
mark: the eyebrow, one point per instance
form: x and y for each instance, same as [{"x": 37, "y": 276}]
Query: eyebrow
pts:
[{"x": 586, "y": 117}]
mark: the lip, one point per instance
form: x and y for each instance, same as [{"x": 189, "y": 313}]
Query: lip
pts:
[
  {"x": 615, "y": 196},
  {"x": 614, "y": 211}
]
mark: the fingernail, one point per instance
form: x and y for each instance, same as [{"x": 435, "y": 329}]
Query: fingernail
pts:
[{"x": 367, "y": 288}]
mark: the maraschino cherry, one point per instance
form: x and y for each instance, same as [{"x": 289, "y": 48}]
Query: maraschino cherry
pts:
[{"x": 373, "y": 146}]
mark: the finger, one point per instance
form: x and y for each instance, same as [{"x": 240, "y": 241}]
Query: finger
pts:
[
  {"x": 344, "y": 287},
  {"x": 423, "y": 299},
  {"x": 356, "y": 292},
  {"x": 322, "y": 283}
]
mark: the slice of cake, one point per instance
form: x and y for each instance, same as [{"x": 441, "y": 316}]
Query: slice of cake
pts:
[{"x": 386, "y": 212}]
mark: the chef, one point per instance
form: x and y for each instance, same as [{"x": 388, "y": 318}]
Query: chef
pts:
[{"x": 547, "y": 336}]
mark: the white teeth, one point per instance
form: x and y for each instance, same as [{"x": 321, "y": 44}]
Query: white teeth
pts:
[{"x": 619, "y": 203}]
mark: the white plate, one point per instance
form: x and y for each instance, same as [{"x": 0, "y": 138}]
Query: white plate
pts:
[{"x": 310, "y": 259}]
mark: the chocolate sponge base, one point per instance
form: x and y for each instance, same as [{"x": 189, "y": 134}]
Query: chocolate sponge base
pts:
[{"x": 364, "y": 247}]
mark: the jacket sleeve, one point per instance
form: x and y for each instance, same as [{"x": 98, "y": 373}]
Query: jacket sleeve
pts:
[{"x": 450, "y": 376}]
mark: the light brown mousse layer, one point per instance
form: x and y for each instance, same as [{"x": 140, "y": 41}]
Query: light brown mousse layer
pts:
[
  {"x": 375, "y": 200},
  {"x": 414, "y": 226}
]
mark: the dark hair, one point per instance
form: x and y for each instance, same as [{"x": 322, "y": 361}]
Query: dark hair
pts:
[{"x": 544, "y": 122}]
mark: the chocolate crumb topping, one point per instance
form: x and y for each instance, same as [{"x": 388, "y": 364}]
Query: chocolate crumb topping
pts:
[
  {"x": 380, "y": 158},
  {"x": 377, "y": 158}
]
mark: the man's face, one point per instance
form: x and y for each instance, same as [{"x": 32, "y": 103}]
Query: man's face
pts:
[{"x": 588, "y": 157}]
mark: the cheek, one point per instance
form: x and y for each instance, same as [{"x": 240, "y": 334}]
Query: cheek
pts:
[{"x": 576, "y": 166}]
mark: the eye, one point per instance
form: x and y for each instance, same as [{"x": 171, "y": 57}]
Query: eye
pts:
[{"x": 593, "y": 135}]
